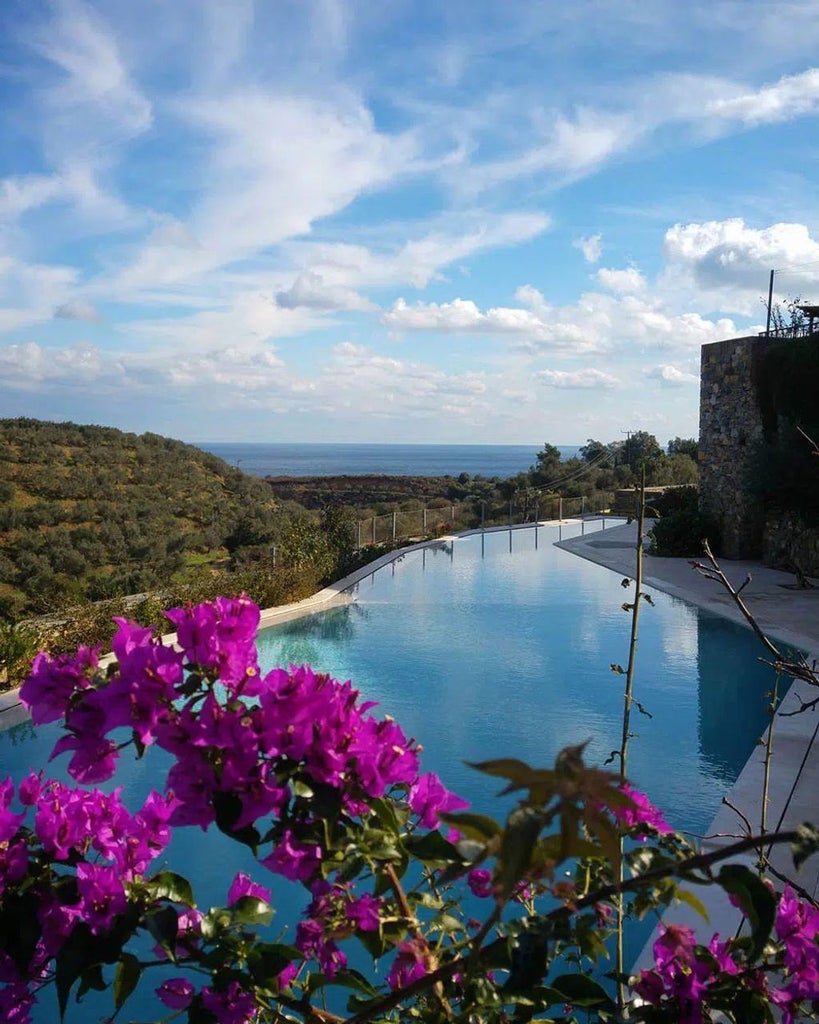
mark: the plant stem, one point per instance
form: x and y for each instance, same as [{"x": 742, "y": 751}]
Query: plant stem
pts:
[{"x": 627, "y": 702}]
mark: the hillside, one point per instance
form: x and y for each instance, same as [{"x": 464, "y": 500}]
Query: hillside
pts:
[
  {"x": 367, "y": 491},
  {"x": 90, "y": 512}
]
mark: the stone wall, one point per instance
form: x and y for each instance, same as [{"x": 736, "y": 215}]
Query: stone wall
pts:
[
  {"x": 730, "y": 428},
  {"x": 789, "y": 544}
]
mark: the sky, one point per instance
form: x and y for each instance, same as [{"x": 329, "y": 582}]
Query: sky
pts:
[{"x": 430, "y": 221}]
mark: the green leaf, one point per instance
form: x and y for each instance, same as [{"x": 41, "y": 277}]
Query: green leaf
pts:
[
  {"x": 126, "y": 978},
  {"x": 431, "y": 848},
  {"x": 71, "y": 961},
  {"x": 268, "y": 959},
  {"x": 301, "y": 789},
  {"x": 252, "y": 910},
  {"x": 504, "y": 768},
  {"x": 475, "y": 826},
  {"x": 171, "y": 886},
  {"x": 90, "y": 978},
  {"x": 686, "y": 896},
  {"x": 607, "y": 835},
  {"x": 519, "y": 837},
  {"x": 384, "y": 810},
  {"x": 581, "y": 990},
  {"x": 20, "y": 929},
  {"x": 754, "y": 899},
  {"x": 805, "y": 845},
  {"x": 163, "y": 925},
  {"x": 227, "y": 807},
  {"x": 347, "y": 979}
]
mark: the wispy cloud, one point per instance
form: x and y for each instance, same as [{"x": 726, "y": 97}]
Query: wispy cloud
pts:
[
  {"x": 577, "y": 379},
  {"x": 591, "y": 247}
]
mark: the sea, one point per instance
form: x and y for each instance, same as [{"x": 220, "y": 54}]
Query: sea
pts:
[{"x": 296, "y": 459}]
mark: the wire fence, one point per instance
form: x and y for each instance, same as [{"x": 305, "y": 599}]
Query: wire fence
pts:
[{"x": 433, "y": 521}]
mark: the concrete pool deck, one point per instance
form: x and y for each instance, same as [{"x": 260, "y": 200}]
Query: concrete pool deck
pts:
[{"x": 791, "y": 618}]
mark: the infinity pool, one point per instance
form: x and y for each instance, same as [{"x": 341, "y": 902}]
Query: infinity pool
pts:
[
  {"x": 501, "y": 645},
  {"x": 498, "y": 645}
]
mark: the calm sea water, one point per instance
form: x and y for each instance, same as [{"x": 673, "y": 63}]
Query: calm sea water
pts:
[{"x": 502, "y": 460}]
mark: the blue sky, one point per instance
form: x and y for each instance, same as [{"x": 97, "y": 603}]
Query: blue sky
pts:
[{"x": 456, "y": 221}]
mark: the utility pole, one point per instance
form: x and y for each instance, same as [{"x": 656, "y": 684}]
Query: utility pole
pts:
[
  {"x": 770, "y": 304},
  {"x": 626, "y": 450}
]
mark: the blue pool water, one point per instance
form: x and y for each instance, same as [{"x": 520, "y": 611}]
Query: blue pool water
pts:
[
  {"x": 492, "y": 646},
  {"x": 501, "y": 645}
]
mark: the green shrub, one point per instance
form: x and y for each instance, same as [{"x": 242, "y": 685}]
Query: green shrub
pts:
[{"x": 681, "y": 528}]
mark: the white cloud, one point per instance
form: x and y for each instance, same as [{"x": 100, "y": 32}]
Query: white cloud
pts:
[
  {"x": 572, "y": 147},
  {"x": 671, "y": 376},
  {"x": 396, "y": 260},
  {"x": 76, "y": 310},
  {"x": 791, "y": 97},
  {"x": 311, "y": 291},
  {"x": 596, "y": 323},
  {"x": 25, "y": 192},
  {"x": 623, "y": 282},
  {"x": 577, "y": 379},
  {"x": 733, "y": 261},
  {"x": 28, "y": 365},
  {"x": 95, "y": 84},
  {"x": 591, "y": 247},
  {"x": 30, "y": 292}
]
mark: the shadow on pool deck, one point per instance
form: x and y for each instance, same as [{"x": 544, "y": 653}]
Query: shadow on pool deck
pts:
[{"x": 791, "y": 617}]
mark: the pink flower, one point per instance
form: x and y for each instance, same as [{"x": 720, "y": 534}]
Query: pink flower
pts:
[
  {"x": 365, "y": 912},
  {"x": 53, "y": 681},
  {"x": 295, "y": 860},
  {"x": 409, "y": 965},
  {"x": 428, "y": 798},
  {"x": 479, "y": 881},
  {"x": 176, "y": 993},
  {"x": 102, "y": 896},
  {"x": 643, "y": 812},
  {"x": 231, "y": 1005},
  {"x": 243, "y": 885}
]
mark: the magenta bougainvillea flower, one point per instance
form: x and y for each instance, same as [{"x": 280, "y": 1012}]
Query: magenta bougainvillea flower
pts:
[
  {"x": 53, "y": 681},
  {"x": 428, "y": 798},
  {"x": 176, "y": 993},
  {"x": 243, "y": 885},
  {"x": 643, "y": 812}
]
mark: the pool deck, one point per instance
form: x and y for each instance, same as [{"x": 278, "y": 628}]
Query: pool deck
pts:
[{"x": 789, "y": 616}]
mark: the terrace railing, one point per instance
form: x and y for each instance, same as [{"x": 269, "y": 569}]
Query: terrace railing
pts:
[{"x": 432, "y": 521}]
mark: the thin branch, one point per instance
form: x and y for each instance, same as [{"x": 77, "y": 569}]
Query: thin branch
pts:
[{"x": 799, "y": 669}]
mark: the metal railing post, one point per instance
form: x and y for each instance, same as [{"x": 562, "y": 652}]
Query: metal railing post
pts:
[
  {"x": 358, "y": 536},
  {"x": 393, "y": 526},
  {"x": 373, "y": 529},
  {"x": 424, "y": 528},
  {"x": 560, "y": 509}
]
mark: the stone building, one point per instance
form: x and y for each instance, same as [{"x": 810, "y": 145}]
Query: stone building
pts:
[{"x": 733, "y": 425}]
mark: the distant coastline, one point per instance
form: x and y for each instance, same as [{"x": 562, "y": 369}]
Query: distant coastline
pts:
[{"x": 302, "y": 459}]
